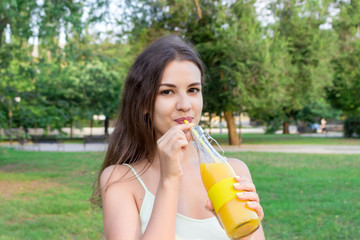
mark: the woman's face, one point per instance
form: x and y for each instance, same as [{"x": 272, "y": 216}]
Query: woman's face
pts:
[{"x": 179, "y": 97}]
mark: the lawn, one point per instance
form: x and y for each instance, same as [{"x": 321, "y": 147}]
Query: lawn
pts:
[
  {"x": 305, "y": 196},
  {"x": 45, "y": 195}
]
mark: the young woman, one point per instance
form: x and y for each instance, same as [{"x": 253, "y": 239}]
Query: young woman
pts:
[{"x": 150, "y": 183}]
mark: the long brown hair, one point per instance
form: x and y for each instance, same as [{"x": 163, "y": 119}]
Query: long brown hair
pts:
[{"x": 133, "y": 138}]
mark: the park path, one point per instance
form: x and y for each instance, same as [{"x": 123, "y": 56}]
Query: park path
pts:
[
  {"x": 288, "y": 148},
  {"x": 295, "y": 148}
]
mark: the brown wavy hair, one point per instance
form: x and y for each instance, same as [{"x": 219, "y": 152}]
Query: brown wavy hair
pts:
[{"x": 133, "y": 138}]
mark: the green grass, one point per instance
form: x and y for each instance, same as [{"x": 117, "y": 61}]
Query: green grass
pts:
[
  {"x": 305, "y": 196},
  {"x": 45, "y": 195},
  {"x": 254, "y": 138}
]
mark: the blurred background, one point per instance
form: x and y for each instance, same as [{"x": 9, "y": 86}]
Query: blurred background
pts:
[{"x": 281, "y": 65}]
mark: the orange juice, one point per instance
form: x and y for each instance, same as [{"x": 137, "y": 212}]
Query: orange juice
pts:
[
  {"x": 218, "y": 177},
  {"x": 237, "y": 219}
]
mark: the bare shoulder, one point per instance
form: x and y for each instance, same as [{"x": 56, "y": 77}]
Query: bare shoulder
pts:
[
  {"x": 117, "y": 179},
  {"x": 240, "y": 167},
  {"x": 119, "y": 189},
  {"x": 113, "y": 174}
]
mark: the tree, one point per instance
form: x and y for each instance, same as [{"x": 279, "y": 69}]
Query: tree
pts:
[
  {"x": 311, "y": 50},
  {"x": 314, "y": 111},
  {"x": 235, "y": 60},
  {"x": 16, "y": 16},
  {"x": 101, "y": 88},
  {"x": 345, "y": 92},
  {"x": 228, "y": 38},
  {"x": 47, "y": 83}
]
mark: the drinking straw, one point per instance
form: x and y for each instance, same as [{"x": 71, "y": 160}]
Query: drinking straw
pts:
[{"x": 206, "y": 147}]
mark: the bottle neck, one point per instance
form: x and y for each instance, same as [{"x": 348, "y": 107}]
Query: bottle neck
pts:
[{"x": 207, "y": 153}]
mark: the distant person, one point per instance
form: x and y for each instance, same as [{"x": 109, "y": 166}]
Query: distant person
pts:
[
  {"x": 149, "y": 184},
  {"x": 323, "y": 125}
]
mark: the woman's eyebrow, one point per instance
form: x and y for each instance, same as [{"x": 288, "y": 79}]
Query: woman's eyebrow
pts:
[
  {"x": 195, "y": 84},
  {"x": 174, "y": 86},
  {"x": 167, "y": 85}
]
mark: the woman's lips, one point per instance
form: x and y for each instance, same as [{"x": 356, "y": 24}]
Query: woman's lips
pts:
[{"x": 182, "y": 120}]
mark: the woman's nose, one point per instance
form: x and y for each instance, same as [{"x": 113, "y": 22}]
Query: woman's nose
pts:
[{"x": 183, "y": 103}]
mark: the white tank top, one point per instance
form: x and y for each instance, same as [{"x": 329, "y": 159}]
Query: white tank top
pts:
[{"x": 186, "y": 228}]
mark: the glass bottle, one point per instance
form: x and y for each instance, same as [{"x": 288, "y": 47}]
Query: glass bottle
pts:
[{"x": 218, "y": 178}]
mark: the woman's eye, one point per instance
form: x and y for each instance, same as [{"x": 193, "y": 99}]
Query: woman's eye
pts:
[
  {"x": 166, "y": 92},
  {"x": 194, "y": 90}
]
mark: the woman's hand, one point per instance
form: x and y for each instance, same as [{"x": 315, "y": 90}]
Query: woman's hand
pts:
[
  {"x": 171, "y": 147},
  {"x": 247, "y": 192}
]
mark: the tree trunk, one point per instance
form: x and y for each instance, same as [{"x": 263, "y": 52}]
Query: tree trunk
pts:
[
  {"x": 20, "y": 132},
  {"x": 106, "y": 126},
  {"x": 71, "y": 129},
  {"x": 10, "y": 122},
  {"x": 240, "y": 137},
  {"x": 286, "y": 128},
  {"x": 26, "y": 130},
  {"x": 198, "y": 9},
  {"x": 233, "y": 137},
  {"x": 91, "y": 126}
]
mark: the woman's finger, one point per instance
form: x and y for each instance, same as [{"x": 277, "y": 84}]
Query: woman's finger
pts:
[
  {"x": 209, "y": 206},
  {"x": 170, "y": 138},
  {"x": 248, "y": 196},
  {"x": 170, "y": 134},
  {"x": 257, "y": 207},
  {"x": 241, "y": 179},
  {"x": 244, "y": 186}
]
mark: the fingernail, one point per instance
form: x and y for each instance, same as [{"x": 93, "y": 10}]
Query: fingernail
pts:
[
  {"x": 239, "y": 194},
  {"x": 235, "y": 185},
  {"x": 250, "y": 203},
  {"x": 237, "y": 177}
]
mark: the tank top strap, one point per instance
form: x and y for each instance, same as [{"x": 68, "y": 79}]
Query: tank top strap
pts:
[{"x": 137, "y": 176}]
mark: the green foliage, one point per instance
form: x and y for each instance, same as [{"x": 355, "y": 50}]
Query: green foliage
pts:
[
  {"x": 234, "y": 59},
  {"x": 51, "y": 84},
  {"x": 309, "y": 50},
  {"x": 272, "y": 126},
  {"x": 345, "y": 93},
  {"x": 352, "y": 126},
  {"x": 101, "y": 88},
  {"x": 314, "y": 111},
  {"x": 274, "y": 73},
  {"x": 16, "y": 14}
]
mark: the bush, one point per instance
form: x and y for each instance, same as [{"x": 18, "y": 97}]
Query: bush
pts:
[
  {"x": 272, "y": 126},
  {"x": 352, "y": 126}
]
